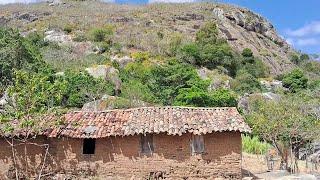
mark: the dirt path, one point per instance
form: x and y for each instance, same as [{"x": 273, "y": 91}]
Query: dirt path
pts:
[{"x": 255, "y": 166}]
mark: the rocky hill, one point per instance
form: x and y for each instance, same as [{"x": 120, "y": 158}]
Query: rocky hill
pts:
[{"x": 150, "y": 27}]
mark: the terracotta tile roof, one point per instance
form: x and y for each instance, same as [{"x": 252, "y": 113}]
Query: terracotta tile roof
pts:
[{"x": 170, "y": 120}]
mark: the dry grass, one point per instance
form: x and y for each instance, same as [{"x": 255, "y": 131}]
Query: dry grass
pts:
[{"x": 257, "y": 164}]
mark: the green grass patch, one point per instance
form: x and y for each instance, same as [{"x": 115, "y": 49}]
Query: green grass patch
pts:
[{"x": 254, "y": 145}]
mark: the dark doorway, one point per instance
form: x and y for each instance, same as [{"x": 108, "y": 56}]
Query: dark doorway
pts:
[{"x": 89, "y": 146}]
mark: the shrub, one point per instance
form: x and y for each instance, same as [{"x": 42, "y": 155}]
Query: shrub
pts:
[
  {"x": 256, "y": 68},
  {"x": 174, "y": 44},
  {"x": 253, "y": 145},
  {"x": 295, "y": 80},
  {"x": 18, "y": 53},
  {"x": 208, "y": 34},
  {"x": 209, "y": 51},
  {"x": 36, "y": 92},
  {"x": 190, "y": 53},
  {"x": 193, "y": 96},
  {"x": 165, "y": 81},
  {"x": 134, "y": 90},
  {"x": 102, "y": 34},
  {"x": 198, "y": 97},
  {"x": 223, "y": 98},
  {"x": 68, "y": 28},
  {"x": 304, "y": 57},
  {"x": 140, "y": 56},
  {"x": 37, "y": 39},
  {"x": 42, "y": 91},
  {"x": 247, "y": 52},
  {"x": 80, "y": 37},
  {"x": 215, "y": 55},
  {"x": 295, "y": 59},
  {"x": 245, "y": 83},
  {"x": 312, "y": 66},
  {"x": 82, "y": 88},
  {"x": 299, "y": 59}
]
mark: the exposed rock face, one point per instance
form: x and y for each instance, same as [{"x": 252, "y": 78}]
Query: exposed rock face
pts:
[
  {"x": 136, "y": 26},
  {"x": 217, "y": 80},
  {"x": 6, "y": 102},
  {"x": 3, "y": 101},
  {"x": 108, "y": 73},
  {"x": 189, "y": 17},
  {"x": 3, "y": 21},
  {"x": 105, "y": 103},
  {"x": 57, "y": 36},
  {"x": 245, "y": 29},
  {"x": 122, "y": 61},
  {"x": 243, "y": 102},
  {"x": 272, "y": 85},
  {"x": 28, "y": 17}
]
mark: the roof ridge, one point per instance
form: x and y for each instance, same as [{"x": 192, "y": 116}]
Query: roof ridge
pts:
[{"x": 162, "y": 107}]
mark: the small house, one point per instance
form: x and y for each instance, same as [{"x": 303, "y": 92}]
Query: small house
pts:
[{"x": 138, "y": 143}]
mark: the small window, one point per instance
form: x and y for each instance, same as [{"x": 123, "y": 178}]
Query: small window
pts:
[
  {"x": 89, "y": 146},
  {"x": 146, "y": 144},
  {"x": 197, "y": 144}
]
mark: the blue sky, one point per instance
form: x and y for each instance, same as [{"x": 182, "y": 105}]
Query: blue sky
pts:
[{"x": 298, "y": 21}]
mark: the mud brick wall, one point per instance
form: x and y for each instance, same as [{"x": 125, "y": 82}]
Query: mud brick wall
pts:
[{"x": 121, "y": 157}]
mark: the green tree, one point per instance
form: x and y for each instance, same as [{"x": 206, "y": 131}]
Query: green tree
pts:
[
  {"x": 209, "y": 50},
  {"x": 246, "y": 52},
  {"x": 289, "y": 122},
  {"x": 295, "y": 80},
  {"x": 82, "y": 88},
  {"x": 244, "y": 82},
  {"x": 190, "y": 53},
  {"x": 17, "y": 53},
  {"x": 166, "y": 80}
]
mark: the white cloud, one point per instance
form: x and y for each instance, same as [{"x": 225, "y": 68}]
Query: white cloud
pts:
[
  {"x": 308, "y": 42},
  {"x": 312, "y": 28},
  {"x": 171, "y": 1}
]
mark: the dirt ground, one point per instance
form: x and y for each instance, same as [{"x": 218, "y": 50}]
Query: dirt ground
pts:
[{"x": 255, "y": 167}]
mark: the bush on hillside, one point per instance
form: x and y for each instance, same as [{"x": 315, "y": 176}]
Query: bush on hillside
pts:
[
  {"x": 246, "y": 52},
  {"x": 295, "y": 80},
  {"x": 190, "y": 53},
  {"x": 166, "y": 80},
  {"x": 102, "y": 34},
  {"x": 18, "y": 53},
  {"x": 244, "y": 82},
  {"x": 82, "y": 88},
  {"x": 209, "y": 51},
  {"x": 198, "y": 97}
]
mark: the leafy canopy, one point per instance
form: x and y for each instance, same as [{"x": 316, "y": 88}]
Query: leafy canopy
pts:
[
  {"x": 17, "y": 53},
  {"x": 295, "y": 80}
]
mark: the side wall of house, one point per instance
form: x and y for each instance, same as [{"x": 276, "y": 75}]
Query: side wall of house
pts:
[
  {"x": 28, "y": 156},
  {"x": 121, "y": 157}
]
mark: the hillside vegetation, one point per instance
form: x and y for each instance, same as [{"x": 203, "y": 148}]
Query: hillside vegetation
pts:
[{"x": 63, "y": 57}]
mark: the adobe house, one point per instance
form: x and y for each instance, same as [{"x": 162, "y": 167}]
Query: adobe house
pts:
[{"x": 138, "y": 143}]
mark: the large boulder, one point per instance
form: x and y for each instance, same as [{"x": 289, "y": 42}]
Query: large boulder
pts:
[
  {"x": 108, "y": 73},
  {"x": 6, "y": 102},
  {"x": 4, "y": 99},
  {"x": 57, "y": 36},
  {"x": 217, "y": 80},
  {"x": 272, "y": 85},
  {"x": 244, "y": 101},
  {"x": 122, "y": 61}
]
